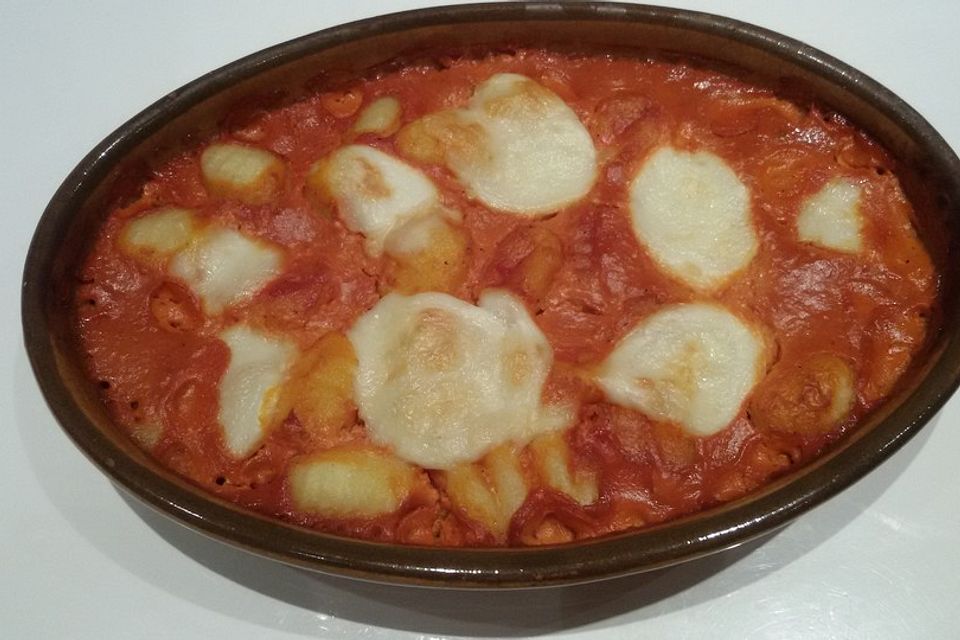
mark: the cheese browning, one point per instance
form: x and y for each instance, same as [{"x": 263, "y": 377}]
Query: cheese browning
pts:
[
  {"x": 692, "y": 364},
  {"x": 442, "y": 381},
  {"x": 517, "y": 147}
]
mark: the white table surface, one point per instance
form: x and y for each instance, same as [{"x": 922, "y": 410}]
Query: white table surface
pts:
[{"x": 78, "y": 560}]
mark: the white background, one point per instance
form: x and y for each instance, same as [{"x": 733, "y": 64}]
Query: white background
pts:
[{"x": 78, "y": 560}]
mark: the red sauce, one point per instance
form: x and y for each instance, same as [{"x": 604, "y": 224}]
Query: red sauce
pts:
[{"x": 868, "y": 309}]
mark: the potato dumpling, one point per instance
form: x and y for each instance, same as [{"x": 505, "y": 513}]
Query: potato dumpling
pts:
[
  {"x": 527, "y": 261},
  {"x": 442, "y": 137},
  {"x": 341, "y": 104},
  {"x": 808, "y": 397},
  {"x": 552, "y": 457},
  {"x": 158, "y": 234},
  {"x": 893, "y": 337},
  {"x": 536, "y": 271},
  {"x": 549, "y": 530},
  {"x": 489, "y": 492},
  {"x": 350, "y": 482},
  {"x": 675, "y": 447},
  {"x": 319, "y": 389},
  {"x": 621, "y": 111},
  {"x": 381, "y": 117},
  {"x": 174, "y": 308},
  {"x": 241, "y": 172},
  {"x": 759, "y": 462},
  {"x": 441, "y": 265}
]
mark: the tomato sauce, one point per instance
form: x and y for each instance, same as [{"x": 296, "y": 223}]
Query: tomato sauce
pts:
[{"x": 158, "y": 361}]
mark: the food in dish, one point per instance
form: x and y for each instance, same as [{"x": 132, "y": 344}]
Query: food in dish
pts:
[{"x": 508, "y": 299}]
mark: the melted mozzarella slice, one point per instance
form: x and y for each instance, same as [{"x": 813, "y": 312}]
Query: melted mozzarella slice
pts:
[
  {"x": 350, "y": 482},
  {"x": 160, "y": 233},
  {"x": 442, "y": 381},
  {"x": 224, "y": 266},
  {"x": 375, "y": 193},
  {"x": 831, "y": 218},
  {"x": 692, "y": 213},
  {"x": 250, "y": 386},
  {"x": 692, "y": 364},
  {"x": 517, "y": 147}
]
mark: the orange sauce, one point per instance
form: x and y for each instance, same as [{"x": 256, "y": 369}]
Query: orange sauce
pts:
[{"x": 868, "y": 309}]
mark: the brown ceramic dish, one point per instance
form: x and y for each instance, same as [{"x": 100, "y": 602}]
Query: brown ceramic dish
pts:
[{"x": 928, "y": 169}]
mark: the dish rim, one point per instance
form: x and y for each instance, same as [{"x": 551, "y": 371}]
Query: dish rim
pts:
[{"x": 641, "y": 550}]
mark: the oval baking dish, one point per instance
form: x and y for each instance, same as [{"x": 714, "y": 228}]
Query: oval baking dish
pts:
[{"x": 928, "y": 170}]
